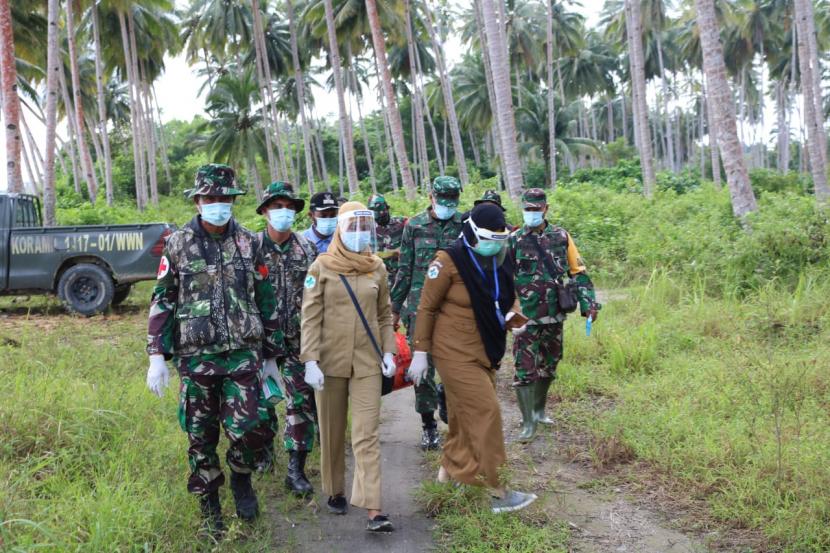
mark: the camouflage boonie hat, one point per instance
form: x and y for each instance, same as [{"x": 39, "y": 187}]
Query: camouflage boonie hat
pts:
[
  {"x": 446, "y": 191},
  {"x": 491, "y": 196},
  {"x": 280, "y": 189},
  {"x": 377, "y": 203},
  {"x": 215, "y": 179},
  {"x": 534, "y": 197}
]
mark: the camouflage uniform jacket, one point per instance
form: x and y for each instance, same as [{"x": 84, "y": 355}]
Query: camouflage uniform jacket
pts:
[
  {"x": 287, "y": 266},
  {"x": 212, "y": 296},
  {"x": 423, "y": 236},
  {"x": 389, "y": 244},
  {"x": 534, "y": 286}
]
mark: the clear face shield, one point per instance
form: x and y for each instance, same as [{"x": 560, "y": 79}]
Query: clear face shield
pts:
[
  {"x": 490, "y": 242},
  {"x": 357, "y": 230}
]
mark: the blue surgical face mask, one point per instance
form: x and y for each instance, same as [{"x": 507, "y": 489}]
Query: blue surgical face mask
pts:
[
  {"x": 281, "y": 219},
  {"x": 325, "y": 225},
  {"x": 533, "y": 219},
  {"x": 357, "y": 240},
  {"x": 443, "y": 212},
  {"x": 488, "y": 248},
  {"x": 217, "y": 214}
]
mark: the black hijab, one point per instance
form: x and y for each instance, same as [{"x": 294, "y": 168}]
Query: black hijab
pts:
[{"x": 482, "y": 290}]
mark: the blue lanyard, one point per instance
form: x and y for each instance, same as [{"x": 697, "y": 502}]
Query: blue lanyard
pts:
[{"x": 499, "y": 314}]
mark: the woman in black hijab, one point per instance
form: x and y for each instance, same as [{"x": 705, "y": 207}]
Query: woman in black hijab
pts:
[{"x": 468, "y": 304}]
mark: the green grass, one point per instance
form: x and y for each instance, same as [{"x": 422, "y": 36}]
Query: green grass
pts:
[
  {"x": 89, "y": 459},
  {"x": 731, "y": 398}
]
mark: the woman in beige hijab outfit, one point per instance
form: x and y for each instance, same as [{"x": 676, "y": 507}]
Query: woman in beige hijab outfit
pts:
[{"x": 342, "y": 365}]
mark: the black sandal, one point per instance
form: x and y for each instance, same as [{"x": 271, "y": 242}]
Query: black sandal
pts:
[{"x": 380, "y": 525}]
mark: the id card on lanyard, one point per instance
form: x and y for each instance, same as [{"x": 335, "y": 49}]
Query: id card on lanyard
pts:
[{"x": 499, "y": 314}]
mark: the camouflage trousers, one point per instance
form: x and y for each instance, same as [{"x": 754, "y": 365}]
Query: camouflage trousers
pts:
[
  {"x": 426, "y": 394},
  {"x": 536, "y": 353},
  {"x": 233, "y": 400},
  {"x": 300, "y": 408}
]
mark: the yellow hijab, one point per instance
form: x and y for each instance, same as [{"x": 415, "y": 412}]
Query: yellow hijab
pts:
[{"x": 340, "y": 259}]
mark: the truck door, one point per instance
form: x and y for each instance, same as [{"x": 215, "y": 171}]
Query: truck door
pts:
[
  {"x": 5, "y": 231},
  {"x": 31, "y": 250}
]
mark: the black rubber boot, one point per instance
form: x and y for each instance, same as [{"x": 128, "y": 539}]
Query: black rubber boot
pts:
[
  {"x": 442, "y": 404},
  {"x": 526, "y": 397},
  {"x": 212, "y": 523},
  {"x": 542, "y": 387},
  {"x": 295, "y": 479},
  {"x": 247, "y": 506}
]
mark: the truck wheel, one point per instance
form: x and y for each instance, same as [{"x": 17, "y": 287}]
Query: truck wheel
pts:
[
  {"x": 86, "y": 289},
  {"x": 121, "y": 294}
]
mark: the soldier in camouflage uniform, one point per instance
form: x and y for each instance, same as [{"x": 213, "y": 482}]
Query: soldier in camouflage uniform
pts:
[
  {"x": 538, "y": 349},
  {"x": 423, "y": 235},
  {"x": 212, "y": 313},
  {"x": 288, "y": 255},
  {"x": 389, "y": 232}
]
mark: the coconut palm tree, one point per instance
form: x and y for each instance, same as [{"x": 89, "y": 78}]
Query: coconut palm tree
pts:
[
  {"x": 11, "y": 102},
  {"x": 53, "y": 65},
  {"x": 299, "y": 80},
  {"x": 723, "y": 109},
  {"x": 633, "y": 24},
  {"x": 500, "y": 66}
]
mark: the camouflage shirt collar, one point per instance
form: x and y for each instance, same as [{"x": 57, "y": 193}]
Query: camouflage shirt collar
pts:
[
  {"x": 195, "y": 225},
  {"x": 547, "y": 230},
  {"x": 279, "y": 248}
]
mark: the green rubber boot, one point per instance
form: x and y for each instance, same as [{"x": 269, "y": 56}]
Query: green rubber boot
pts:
[
  {"x": 526, "y": 397},
  {"x": 542, "y": 387}
]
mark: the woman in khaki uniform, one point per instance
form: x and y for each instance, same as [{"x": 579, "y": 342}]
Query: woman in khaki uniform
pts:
[
  {"x": 467, "y": 305},
  {"x": 341, "y": 362}
]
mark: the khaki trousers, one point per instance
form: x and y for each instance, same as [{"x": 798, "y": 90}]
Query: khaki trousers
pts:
[
  {"x": 474, "y": 450},
  {"x": 333, "y": 403}
]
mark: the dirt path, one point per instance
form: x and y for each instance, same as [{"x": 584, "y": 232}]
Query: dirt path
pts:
[
  {"x": 602, "y": 518},
  {"x": 403, "y": 471}
]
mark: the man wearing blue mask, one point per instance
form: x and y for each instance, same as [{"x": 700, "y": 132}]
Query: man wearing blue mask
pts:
[
  {"x": 323, "y": 212},
  {"x": 288, "y": 255},
  {"x": 550, "y": 283},
  {"x": 425, "y": 234},
  {"x": 212, "y": 314}
]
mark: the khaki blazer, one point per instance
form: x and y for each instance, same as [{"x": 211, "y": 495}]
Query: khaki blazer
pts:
[
  {"x": 445, "y": 323},
  {"x": 331, "y": 330}
]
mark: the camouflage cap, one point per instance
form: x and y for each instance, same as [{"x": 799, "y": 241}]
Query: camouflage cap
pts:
[
  {"x": 215, "y": 179},
  {"x": 377, "y": 203},
  {"x": 491, "y": 196},
  {"x": 534, "y": 197},
  {"x": 446, "y": 191},
  {"x": 280, "y": 189}
]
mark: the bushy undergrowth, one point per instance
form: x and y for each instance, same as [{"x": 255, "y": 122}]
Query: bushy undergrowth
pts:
[{"x": 730, "y": 396}]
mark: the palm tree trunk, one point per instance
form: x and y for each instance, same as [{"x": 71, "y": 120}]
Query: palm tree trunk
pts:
[
  {"x": 624, "y": 116},
  {"x": 299, "y": 81},
  {"x": 419, "y": 132},
  {"x": 148, "y": 176},
  {"x": 318, "y": 138},
  {"x": 550, "y": 97},
  {"x": 345, "y": 122},
  {"x": 163, "y": 141},
  {"x": 262, "y": 76},
  {"x": 474, "y": 147},
  {"x": 497, "y": 46},
  {"x": 366, "y": 148},
  {"x": 391, "y": 104},
  {"x": 11, "y": 103},
  {"x": 37, "y": 158},
  {"x": 488, "y": 78},
  {"x": 783, "y": 128},
  {"x": 701, "y": 131},
  {"x": 428, "y": 113},
  {"x": 390, "y": 150},
  {"x": 54, "y": 68},
  {"x": 664, "y": 81},
  {"x": 813, "y": 116},
  {"x": 83, "y": 149},
  {"x": 72, "y": 128},
  {"x": 722, "y": 107},
  {"x": 102, "y": 106},
  {"x": 638, "y": 81},
  {"x": 449, "y": 103},
  {"x": 138, "y": 163},
  {"x": 815, "y": 61},
  {"x": 713, "y": 136},
  {"x": 96, "y": 145}
]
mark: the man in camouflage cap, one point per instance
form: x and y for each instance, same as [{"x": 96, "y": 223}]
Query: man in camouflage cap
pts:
[
  {"x": 212, "y": 314},
  {"x": 544, "y": 256},
  {"x": 288, "y": 255},
  {"x": 423, "y": 235},
  {"x": 389, "y": 232},
  {"x": 490, "y": 196}
]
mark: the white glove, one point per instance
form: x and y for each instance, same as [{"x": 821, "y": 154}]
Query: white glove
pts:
[
  {"x": 389, "y": 366},
  {"x": 418, "y": 367},
  {"x": 158, "y": 376},
  {"x": 269, "y": 368},
  {"x": 313, "y": 375}
]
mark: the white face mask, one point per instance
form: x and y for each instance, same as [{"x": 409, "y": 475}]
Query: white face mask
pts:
[{"x": 217, "y": 214}]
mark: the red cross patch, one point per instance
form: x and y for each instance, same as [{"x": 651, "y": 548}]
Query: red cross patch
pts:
[{"x": 164, "y": 267}]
